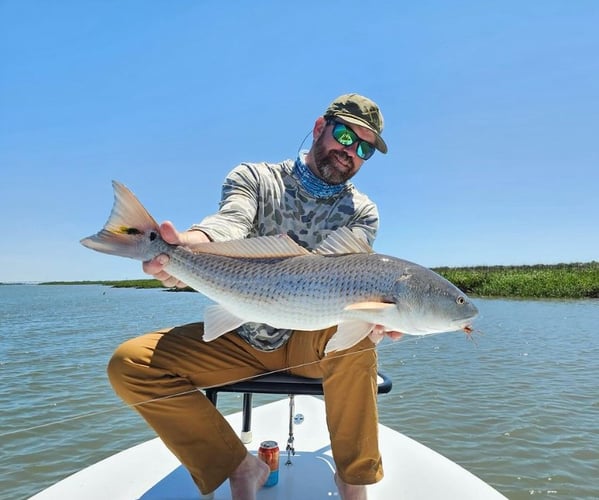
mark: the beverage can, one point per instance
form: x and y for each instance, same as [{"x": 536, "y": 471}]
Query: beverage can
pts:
[{"x": 269, "y": 454}]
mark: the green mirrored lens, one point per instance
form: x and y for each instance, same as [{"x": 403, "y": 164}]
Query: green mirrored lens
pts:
[
  {"x": 365, "y": 150},
  {"x": 343, "y": 135}
]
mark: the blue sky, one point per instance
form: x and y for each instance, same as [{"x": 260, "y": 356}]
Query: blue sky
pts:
[{"x": 491, "y": 111}]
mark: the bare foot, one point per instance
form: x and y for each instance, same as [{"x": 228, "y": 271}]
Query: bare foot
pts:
[
  {"x": 248, "y": 478},
  {"x": 350, "y": 491}
]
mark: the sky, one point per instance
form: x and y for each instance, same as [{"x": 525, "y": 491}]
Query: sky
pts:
[{"x": 491, "y": 117}]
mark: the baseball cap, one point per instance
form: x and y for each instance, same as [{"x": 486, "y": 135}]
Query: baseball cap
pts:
[{"x": 356, "y": 109}]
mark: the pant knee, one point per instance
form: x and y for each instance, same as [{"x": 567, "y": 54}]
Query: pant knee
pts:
[
  {"x": 126, "y": 367},
  {"x": 115, "y": 367}
]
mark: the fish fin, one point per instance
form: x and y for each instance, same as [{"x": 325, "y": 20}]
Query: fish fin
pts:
[
  {"x": 218, "y": 321},
  {"x": 348, "y": 334},
  {"x": 343, "y": 241},
  {"x": 260, "y": 247},
  {"x": 128, "y": 221},
  {"x": 369, "y": 306}
]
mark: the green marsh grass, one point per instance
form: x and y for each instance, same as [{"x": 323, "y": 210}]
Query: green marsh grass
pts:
[{"x": 557, "y": 281}]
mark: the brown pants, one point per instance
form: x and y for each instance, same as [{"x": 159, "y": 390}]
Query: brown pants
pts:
[{"x": 166, "y": 367}]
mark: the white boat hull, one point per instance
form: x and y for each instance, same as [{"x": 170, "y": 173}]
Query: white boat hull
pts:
[{"x": 150, "y": 472}]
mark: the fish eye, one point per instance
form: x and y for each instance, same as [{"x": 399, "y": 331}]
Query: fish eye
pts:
[{"x": 460, "y": 300}]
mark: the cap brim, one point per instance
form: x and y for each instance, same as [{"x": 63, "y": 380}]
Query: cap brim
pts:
[{"x": 378, "y": 142}]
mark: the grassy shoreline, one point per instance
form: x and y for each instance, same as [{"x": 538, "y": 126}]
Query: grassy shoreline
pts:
[
  {"x": 557, "y": 281},
  {"x": 572, "y": 281}
]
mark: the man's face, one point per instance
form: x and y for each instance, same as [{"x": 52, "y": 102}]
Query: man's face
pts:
[{"x": 335, "y": 163}]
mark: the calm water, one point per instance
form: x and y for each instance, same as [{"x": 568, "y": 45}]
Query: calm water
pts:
[{"x": 519, "y": 407}]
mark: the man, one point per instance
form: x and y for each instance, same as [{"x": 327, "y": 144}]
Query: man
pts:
[{"x": 307, "y": 199}]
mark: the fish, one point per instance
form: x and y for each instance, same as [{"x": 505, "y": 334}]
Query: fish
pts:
[{"x": 275, "y": 281}]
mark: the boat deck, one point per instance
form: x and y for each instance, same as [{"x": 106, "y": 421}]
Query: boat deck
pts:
[{"x": 150, "y": 472}]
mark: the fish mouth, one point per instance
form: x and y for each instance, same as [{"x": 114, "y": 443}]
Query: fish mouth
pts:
[{"x": 464, "y": 324}]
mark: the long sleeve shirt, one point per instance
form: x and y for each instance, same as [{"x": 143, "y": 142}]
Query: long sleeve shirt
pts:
[{"x": 267, "y": 199}]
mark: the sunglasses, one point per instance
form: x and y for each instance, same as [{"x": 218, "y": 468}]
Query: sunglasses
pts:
[{"x": 346, "y": 137}]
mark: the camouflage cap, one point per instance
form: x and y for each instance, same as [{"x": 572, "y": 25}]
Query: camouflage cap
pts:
[{"x": 359, "y": 110}]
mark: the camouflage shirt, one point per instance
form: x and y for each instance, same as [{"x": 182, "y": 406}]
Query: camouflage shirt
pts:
[{"x": 266, "y": 199}]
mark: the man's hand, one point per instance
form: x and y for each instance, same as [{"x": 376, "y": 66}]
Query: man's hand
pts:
[
  {"x": 169, "y": 233},
  {"x": 378, "y": 333}
]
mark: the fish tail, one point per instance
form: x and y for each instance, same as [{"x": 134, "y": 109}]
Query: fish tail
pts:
[{"x": 127, "y": 229}]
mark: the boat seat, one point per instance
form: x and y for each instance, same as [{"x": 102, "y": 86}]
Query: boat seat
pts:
[
  {"x": 283, "y": 383},
  {"x": 278, "y": 383}
]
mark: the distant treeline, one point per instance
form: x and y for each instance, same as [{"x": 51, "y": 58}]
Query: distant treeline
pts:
[{"x": 559, "y": 281}]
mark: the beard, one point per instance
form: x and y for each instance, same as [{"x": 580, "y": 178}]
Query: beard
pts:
[{"x": 334, "y": 167}]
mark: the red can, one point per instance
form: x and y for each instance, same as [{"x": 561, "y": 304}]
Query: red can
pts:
[{"x": 269, "y": 454}]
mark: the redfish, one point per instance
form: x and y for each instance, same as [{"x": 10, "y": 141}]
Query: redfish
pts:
[{"x": 273, "y": 280}]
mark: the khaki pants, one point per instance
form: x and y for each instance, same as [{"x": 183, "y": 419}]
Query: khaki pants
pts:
[{"x": 166, "y": 367}]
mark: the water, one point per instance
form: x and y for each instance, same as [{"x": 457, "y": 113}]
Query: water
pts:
[{"x": 519, "y": 407}]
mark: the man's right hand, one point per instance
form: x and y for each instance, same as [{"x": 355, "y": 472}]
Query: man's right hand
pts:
[{"x": 169, "y": 233}]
